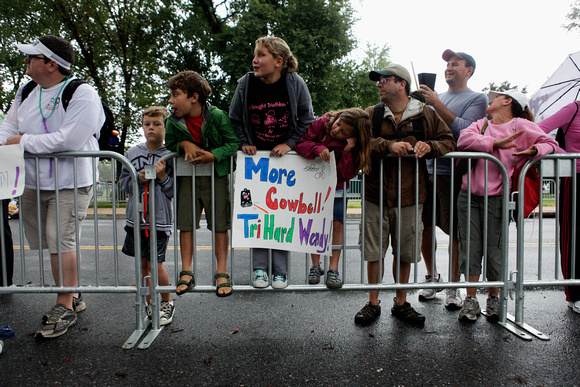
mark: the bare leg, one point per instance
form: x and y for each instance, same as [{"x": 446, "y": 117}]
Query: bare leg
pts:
[
  {"x": 221, "y": 253},
  {"x": 471, "y": 292},
  {"x": 69, "y": 272},
  {"x": 336, "y": 240},
  {"x": 186, "y": 247},
  {"x": 373, "y": 278},
  {"x": 426, "y": 246},
  {"x": 455, "y": 261},
  {"x": 401, "y": 294},
  {"x": 315, "y": 259},
  {"x": 163, "y": 278}
]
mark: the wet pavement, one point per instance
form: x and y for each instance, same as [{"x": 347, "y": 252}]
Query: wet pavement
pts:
[{"x": 286, "y": 338}]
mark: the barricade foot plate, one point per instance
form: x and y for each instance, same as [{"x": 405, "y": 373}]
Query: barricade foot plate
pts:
[
  {"x": 148, "y": 340},
  {"x": 136, "y": 335},
  {"x": 515, "y": 330},
  {"x": 533, "y": 331}
]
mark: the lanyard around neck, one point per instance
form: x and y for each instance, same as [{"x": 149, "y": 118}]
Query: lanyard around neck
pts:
[{"x": 44, "y": 119}]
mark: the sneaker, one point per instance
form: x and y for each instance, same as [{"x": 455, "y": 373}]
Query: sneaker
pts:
[
  {"x": 166, "y": 313},
  {"x": 575, "y": 306},
  {"x": 148, "y": 311},
  {"x": 314, "y": 276},
  {"x": 78, "y": 306},
  {"x": 333, "y": 280},
  {"x": 429, "y": 294},
  {"x": 406, "y": 313},
  {"x": 368, "y": 314},
  {"x": 453, "y": 299},
  {"x": 470, "y": 309},
  {"x": 279, "y": 281},
  {"x": 260, "y": 279},
  {"x": 59, "y": 319},
  {"x": 79, "y": 303},
  {"x": 492, "y": 306}
]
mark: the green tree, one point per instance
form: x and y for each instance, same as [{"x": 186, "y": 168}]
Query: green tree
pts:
[
  {"x": 30, "y": 25},
  {"x": 129, "y": 49},
  {"x": 504, "y": 86},
  {"x": 574, "y": 17},
  {"x": 317, "y": 31},
  {"x": 118, "y": 45}
]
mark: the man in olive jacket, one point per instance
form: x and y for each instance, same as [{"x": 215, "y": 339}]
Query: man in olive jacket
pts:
[{"x": 402, "y": 125}]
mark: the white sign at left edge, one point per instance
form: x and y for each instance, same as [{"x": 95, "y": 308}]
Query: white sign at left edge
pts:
[{"x": 11, "y": 171}]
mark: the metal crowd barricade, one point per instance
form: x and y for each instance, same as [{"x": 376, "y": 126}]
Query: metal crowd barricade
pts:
[
  {"x": 352, "y": 279},
  {"x": 32, "y": 280},
  {"x": 561, "y": 165},
  {"x": 183, "y": 168}
]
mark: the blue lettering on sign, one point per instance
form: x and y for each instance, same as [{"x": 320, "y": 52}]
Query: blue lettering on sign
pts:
[
  {"x": 246, "y": 218},
  {"x": 275, "y": 176}
]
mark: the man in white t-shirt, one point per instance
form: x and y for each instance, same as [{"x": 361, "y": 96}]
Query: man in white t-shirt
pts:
[{"x": 40, "y": 122}]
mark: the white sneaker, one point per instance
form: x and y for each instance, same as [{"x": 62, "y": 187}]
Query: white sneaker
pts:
[
  {"x": 453, "y": 299},
  {"x": 575, "y": 306},
  {"x": 279, "y": 281},
  {"x": 470, "y": 309},
  {"x": 492, "y": 306},
  {"x": 260, "y": 279},
  {"x": 429, "y": 294}
]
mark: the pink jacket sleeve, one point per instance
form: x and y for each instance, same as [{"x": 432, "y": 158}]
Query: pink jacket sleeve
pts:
[{"x": 309, "y": 146}]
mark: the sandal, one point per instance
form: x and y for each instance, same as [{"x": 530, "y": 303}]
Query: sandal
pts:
[
  {"x": 190, "y": 284},
  {"x": 227, "y": 284}
]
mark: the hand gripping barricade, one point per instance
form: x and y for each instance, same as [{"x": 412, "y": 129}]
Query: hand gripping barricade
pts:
[{"x": 29, "y": 278}]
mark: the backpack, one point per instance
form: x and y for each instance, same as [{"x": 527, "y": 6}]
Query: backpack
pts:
[{"x": 108, "y": 137}]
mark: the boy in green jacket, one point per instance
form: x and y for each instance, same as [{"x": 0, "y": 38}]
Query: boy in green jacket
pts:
[{"x": 204, "y": 135}]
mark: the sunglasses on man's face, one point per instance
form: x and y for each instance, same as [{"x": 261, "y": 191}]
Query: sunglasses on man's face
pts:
[{"x": 31, "y": 57}]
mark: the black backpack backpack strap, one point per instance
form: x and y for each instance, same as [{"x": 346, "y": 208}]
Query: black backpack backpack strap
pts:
[
  {"x": 378, "y": 114},
  {"x": 69, "y": 90},
  {"x": 27, "y": 89},
  {"x": 418, "y": 129}
]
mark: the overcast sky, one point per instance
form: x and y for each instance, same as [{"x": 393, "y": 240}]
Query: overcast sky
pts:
[{"x": 520, "y": 41}]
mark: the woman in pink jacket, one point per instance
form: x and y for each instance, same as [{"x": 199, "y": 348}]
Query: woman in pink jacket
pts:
[
  {"x": 512, "y": 137},
  {"x": 568, "y": 118}
]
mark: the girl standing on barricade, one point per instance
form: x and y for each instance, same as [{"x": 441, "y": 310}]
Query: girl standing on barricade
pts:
[
  {"x": 271, "y": 110},
  {"x": 511, "y": 132},
  {"x": 346, "y": 133}
]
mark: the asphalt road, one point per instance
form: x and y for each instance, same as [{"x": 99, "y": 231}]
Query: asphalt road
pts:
[{"x": 288, "y": 338}]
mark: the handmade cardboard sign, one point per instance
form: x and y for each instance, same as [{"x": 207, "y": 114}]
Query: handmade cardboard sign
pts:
[
  {"x": 284, "y": 203},
  {"x": 11, "y": 171}
]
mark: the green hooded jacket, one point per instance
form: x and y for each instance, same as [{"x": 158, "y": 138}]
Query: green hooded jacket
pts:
[{"x": 217, "y": 135}]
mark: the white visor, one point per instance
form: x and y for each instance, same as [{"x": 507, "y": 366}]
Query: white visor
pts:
[{"x": 37, "y": 48}]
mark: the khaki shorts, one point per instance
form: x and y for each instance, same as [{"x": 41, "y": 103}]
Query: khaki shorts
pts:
[
  {"x": 47, "y": 215},
  {"x": 443, "y": 203},
  {"x": 203, "y": 201},
  {"x": 409, "y": 236}
]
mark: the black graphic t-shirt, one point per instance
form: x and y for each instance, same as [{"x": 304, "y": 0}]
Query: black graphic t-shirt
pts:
[{"x": 269, "y": 112}]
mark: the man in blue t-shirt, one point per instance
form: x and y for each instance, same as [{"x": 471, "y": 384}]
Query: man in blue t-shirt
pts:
[{"x": 458, "y": 107}]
